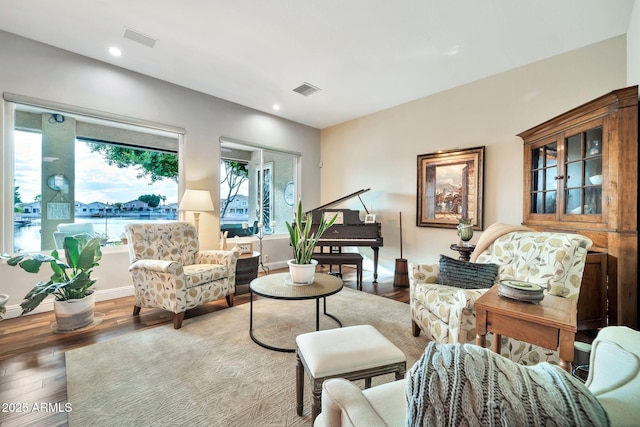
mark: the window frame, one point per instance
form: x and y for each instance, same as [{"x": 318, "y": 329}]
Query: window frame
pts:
[
  {"x": 296, "y": 157},
  {"x": 11, "y": 102}
]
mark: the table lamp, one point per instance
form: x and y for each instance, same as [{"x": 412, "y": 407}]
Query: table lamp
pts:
[{"x": 196, "y": 201}]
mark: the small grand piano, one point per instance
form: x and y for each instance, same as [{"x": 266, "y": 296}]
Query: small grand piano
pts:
[{"x": 348, "y": 230}]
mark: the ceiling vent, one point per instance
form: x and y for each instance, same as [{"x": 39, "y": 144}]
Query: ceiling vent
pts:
[
  {"x": 306, "y": 89},
  {"x": 139, "y": 37}
]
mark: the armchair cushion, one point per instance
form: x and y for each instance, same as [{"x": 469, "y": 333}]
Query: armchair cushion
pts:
[
  {"x": 466, "y": 275},
  {"x": 553, "y": 260},
  {"x": 198, "y": 274}
]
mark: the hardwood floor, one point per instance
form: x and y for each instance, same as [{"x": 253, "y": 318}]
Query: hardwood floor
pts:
[{"x": 32, "y": 365}]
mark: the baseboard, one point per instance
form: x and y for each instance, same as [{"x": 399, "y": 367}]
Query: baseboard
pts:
[
  {"x": 276, "y": 265},
  {"x": 47, "y": 305}
]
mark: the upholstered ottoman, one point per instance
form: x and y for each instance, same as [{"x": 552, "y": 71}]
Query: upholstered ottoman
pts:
[{"x": 353, "y": 353}]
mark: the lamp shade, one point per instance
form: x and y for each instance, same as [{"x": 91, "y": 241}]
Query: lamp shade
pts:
[{"x": 196, "y": 200}]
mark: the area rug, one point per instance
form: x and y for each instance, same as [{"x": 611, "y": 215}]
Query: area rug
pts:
[{"x": 210, "y": 372}]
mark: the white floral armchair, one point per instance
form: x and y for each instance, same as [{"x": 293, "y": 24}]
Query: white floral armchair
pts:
[
  {"x": 170, "y": 272},
  {"x": 447, "y": 315}
]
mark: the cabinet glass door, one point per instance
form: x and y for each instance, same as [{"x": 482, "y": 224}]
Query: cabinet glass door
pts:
[
  {"x": 583, "y": 170},
  {"x": 544, "y": 170}
]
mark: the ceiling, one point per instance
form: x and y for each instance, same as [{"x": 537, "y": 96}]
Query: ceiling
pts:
[{"x": 364, "y": 55}]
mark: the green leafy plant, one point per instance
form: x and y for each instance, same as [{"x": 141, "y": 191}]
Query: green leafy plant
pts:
[
  {"x": 71, "y": 278},
  {"x": 3, "y": 299},
  {"x": 302, "y": 239}
]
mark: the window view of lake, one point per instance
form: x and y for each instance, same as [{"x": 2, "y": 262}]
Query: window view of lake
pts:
[
  {"x": 103, "y": 194},
  {"x": 27, "y": 237}
]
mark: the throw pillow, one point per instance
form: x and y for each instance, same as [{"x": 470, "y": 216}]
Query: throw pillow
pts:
[{"x": 466, "y": 275}]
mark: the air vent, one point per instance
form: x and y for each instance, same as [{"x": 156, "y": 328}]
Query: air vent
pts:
[
  {"x": 306, "y": 89},
  {"x": 139, "y": 37}
]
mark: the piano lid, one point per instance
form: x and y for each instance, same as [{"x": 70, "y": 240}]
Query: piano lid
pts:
[{"x": 342, "y": 199}]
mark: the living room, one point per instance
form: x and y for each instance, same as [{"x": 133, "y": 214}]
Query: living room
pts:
[{"x": 354, "y": 154}]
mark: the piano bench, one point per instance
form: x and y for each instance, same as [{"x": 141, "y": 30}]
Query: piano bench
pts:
[{"x": 340, "y": 259}]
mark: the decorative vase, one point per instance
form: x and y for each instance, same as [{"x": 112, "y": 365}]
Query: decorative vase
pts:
[
  {"x": 302, "y": 274},
  {"x": 465, "y": 230},
  {"x": 74, "y": 313}
]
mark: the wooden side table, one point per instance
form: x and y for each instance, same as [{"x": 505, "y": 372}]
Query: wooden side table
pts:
[
  {"x": 552, "y": 323},
  {"x": 464, "y": 251},
  {"x": 247, "y": 268}
]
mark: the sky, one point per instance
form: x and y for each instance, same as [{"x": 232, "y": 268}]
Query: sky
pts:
[{"x": 96, "y": 181}]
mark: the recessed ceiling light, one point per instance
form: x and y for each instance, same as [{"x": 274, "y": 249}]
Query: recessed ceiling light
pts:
[
  {"x": 115, "y": 51},
  {"x": 276, "y": 107}
]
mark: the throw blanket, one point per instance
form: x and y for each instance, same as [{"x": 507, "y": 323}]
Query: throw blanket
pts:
[
  {"x": 466, "y": 385},
  {"x": 492, "y": 233}
]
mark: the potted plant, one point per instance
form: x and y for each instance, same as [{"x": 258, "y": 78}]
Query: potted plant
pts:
[
  {"x": 302, "y": 267},
  {"x": 3, "y": 300},
  {"x": 104, "y": 238},
  {"x": 124, "y": 239},
  {"x": 70, "y": 282}
]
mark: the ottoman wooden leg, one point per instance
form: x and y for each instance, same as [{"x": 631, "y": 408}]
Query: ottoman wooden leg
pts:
[
  {"x": 317, "y": 398},
  {"x": 299, "y": 385},
  {"x": 367, "y": 382}
]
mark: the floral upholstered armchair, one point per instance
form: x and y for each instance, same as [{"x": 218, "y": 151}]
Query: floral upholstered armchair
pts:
[
  {"x": 170, "y": 272},
  {"x": 447, "y": 315}
]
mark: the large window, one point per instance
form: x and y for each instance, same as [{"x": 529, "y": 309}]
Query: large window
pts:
[
  {"x": 258, "y": 188},
  {"x": 96, "y": 174}
]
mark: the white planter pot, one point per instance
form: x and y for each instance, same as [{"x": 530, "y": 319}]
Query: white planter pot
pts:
[
  {"x": 74, "y": 313},
  {"x": 302, "y": 274}
]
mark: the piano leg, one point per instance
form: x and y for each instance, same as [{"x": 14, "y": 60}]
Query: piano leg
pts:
[{"x": 375, "y": 264}]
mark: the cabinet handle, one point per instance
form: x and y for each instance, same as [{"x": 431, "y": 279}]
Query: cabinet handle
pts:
[{"x": 559, "y": 177}]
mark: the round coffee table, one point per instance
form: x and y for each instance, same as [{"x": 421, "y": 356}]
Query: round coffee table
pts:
[{"x": 275, "y": 286}]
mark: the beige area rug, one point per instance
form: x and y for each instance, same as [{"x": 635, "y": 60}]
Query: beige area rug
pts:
[{"x": 210, "y": 372}]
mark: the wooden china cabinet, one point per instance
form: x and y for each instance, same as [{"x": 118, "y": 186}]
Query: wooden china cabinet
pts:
[{"x": 581, "y": 176}]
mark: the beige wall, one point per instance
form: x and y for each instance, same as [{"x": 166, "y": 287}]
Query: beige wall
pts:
[
  {"x": 633, "y": 46},
  {"x": 40, "y": 71},
  {"x": 379, "y": 151}
]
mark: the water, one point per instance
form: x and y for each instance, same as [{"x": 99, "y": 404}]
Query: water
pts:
[{"x": 27, "y": 238}]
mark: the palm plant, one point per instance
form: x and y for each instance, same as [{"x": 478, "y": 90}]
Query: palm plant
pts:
[
  {"x": 302, "y": 239},
  {"x": 81, "y": 255}
]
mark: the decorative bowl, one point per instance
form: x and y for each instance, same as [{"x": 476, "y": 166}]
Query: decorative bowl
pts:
[{"x": 596, "y": 179}]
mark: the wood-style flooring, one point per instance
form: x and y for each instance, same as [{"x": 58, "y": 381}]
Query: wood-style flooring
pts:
[{"x": 32, "y": 365}]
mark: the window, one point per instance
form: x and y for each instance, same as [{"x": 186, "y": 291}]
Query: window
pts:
[
  {"x": 257, "y": 188},
  {"x": 70, "y": 168}
]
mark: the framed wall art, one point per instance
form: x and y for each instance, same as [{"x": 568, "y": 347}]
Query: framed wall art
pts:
[{"x": 450, "y": 187}]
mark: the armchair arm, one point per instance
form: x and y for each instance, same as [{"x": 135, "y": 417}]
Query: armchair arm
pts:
[
  {"x": 157, "y": 265},
  {"x": 462, "y": 320},
  {"x": 344, "y": 404},
  {"x": 215, "y": 256},
  {"x": 423, "y": 273}
]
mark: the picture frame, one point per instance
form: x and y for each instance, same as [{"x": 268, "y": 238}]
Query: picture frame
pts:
[
  {"x": 450, "y": 187},
  {"x": 245, "y": 248},
  {"x": 370, "y": 219}
]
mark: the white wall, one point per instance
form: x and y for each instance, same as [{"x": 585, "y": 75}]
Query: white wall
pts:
[
  {"x": 633, "y": 46},
  {"x": 380, "y": 150},
  {"x": 33, "y": 69}
]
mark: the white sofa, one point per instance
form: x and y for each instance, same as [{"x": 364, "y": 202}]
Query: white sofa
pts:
[
  {"x": 446, "y": 314},
  {"x": 614, "y": 380}
]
